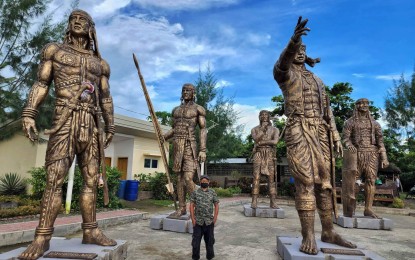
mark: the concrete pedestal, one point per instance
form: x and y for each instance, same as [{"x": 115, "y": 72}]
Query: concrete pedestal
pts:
[
  {"x": 288, "y": 249},
  {"x": 263, "y": 211},
  {"x": 74, "y": 245},
  {"x": 181, "y": 225},
  {"x": 360, "y": 221}
]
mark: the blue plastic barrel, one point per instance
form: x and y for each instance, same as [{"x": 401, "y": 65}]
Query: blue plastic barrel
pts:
[
  {"x": 131, "y": 190},
  {"x": 121, "y": 189},
  {"x": 291, "y": 179}
]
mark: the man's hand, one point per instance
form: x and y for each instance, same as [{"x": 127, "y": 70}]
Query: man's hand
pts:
[
  {"x": 300, "y": 29},
  {"x": 214, "y": 220},
  {"x": 193, "y": 221},
  {"x": 29, "y": 126},
  {"x": 338, "y": 148},
  {"x": 108, "y": 139},
  {"x": 202, "y": 156}
]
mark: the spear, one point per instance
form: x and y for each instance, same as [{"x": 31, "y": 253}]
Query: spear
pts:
[{"x": 158, "y": 131}]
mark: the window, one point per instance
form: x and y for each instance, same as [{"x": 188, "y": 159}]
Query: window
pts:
[{"x": 151, "y": 163}]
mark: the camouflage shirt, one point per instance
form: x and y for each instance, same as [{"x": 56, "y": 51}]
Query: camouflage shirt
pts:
[{"x": 204, "y": 201}]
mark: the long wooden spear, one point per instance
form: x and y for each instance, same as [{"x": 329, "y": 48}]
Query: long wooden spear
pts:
[{"x": 158, "y": 131}]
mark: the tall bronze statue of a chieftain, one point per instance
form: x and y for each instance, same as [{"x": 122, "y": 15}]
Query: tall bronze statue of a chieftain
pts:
[
  {"x": 186, "y": 118},
  {"x": 362, "y": 137},
  {"x": 264, "y": 157},
  {"x": 310, "y": 136},
  {"x": 80, "y": 77}
]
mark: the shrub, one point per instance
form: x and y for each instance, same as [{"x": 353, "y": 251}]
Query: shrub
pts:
[
  {"x": 38, "y": 181},
  {"x": 12, "y": 184},
  {"x": 221, "y": 192},
  {"x": 25, "y": 207},
  {"x": 158, "y": 185},
  {"x": 144, "y": 180},
  {"x": 407, "y": 180},
  {"x": 398, "y": 203},
  {"x": 214, "y": 184},
  {"x": 245, "y": 184},
  {"x": 286, "y": 189},
  {"x": 235, "y": 190}
]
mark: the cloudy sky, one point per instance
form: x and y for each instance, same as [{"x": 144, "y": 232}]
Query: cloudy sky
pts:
[{"x": 367, "y": 43}]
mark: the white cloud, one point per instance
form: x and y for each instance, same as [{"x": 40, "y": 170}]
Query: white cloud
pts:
[
  {"x": 258, "y": 39},
  {"x": 223, "y": 83},
  {"x": 358, "y": 75},
  {"x": 388, "y": 77},
  {"x": 185, "y": 4},
  {"x": 248, "y": 116}
]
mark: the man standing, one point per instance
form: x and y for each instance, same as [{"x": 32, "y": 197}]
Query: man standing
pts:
[
  {"x": 307, "y": 137},
  {"x": 186, "y": 118},
  {"x": 363, "y": 139},
  {"x": 78, "y": 72},
  {"x": 264, "y": 158},
  {"x": 203, "y": 218}
]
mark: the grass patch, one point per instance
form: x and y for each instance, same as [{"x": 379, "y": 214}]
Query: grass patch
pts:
[{"x": 164, "y": 203}]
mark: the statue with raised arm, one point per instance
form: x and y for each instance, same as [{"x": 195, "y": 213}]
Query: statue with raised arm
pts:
[
  {"x": 307, "y": 137},
  {"x": 266, "y": 137},
  {"x": 80, "y": 77},
  {"x": 363, "y": 140},
  {"x": 186, "y": 157}
]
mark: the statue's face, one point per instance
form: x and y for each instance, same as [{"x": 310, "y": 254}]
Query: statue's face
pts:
[
  {"x": 300, "y": 56},
  {"x": 79, "y": 25},
  {"x": 363, "y": 105},
  {"x": 187, "y": 93},
  {"x": 264, "y": 117}
]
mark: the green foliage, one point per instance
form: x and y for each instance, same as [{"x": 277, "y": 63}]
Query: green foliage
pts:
[
  {"x": 244, "y": 184},
  {"x": 164, "y": 117},
  {"x": 12, "y": 184},
  {"x": 221, "y": 192},
  {"x": 398, "y": 203},
  {"x": 25, "y": 27},
  {"x": 158, "y": 185},
  {"x": 286, "y": 189},
  {"x": 38, "y": 181},
  {"x": 235, "y": 190},
  {"x": 144, "y": 180},
  {"x": 407, "y": 180},
  {"x": 24, "y": 207}
]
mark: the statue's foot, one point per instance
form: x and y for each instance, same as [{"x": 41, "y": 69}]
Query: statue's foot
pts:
[
  {"x": 273, "y": 204},
  {"x": 97, "y": 237},
  {"x": 36, "y": 249},
  {"x": 370, "y": 213},
  {"x": 334, "y": 238},
  {"x": 178, "y": 213},
  {"x": 309, "y": 245}
]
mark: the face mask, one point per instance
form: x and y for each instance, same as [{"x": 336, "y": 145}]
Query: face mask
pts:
[{"x": 204, "y": 185}]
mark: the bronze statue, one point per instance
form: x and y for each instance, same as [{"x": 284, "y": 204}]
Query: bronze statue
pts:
[
  {"x": 363, "y": 140},
  {"x": 265, "y": 136},
  {"x": 307, "y": 136},
  {"x": 80, "y": 78},
  {"x": 186, "y": 118}
]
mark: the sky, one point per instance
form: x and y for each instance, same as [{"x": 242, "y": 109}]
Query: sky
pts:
[{"x": 366, "y": 43}]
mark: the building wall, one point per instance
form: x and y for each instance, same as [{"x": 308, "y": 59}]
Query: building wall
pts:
[
  {"x": 145, "y": 148},
  {"x": 124, "y": 149},
  {"x": 19, "y": 155}
]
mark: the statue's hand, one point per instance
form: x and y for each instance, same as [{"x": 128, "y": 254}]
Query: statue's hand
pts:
[
  {"x": 339, "y": 148},
  {"x": 29, "y": 126},
  {"x": 300, "y": 29},
  {"x": 202, "y": 156},
  {"x": 351, "y": 148},
  {"x": 384, "y": 164},
  {"x": 108, "y": 139}
]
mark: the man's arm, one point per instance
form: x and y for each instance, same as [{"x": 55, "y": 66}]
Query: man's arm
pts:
[
  {"x": 192, "y": 212},
  {"x": 39, "y": 91},
  {"x": 215, "y": 216},
  {"x": 106, "y": 103},
  {"x": 203, "y": 133}
]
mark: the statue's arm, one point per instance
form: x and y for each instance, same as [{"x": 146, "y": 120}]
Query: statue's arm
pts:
[
  {"x": 106, "y": 103},
  {"x": 203, "y": 133},
  {"x": 381, "y": 145},
  {"x": 257, "y": 134},
  {"x": 274, "y": 138},
  {"x": 347, "y": 133},
  {"x": 283, "y": 64},
  {"x": 39, "y": 91}
]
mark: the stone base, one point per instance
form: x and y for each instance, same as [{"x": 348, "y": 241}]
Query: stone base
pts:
[
  {"x": 363, "y": 222},
  {"x": 263, "y": 211},
  {"x": 288, "y": 249},
  {"x": 74, "y": 245},
  {"x": 181, "y": 225}
]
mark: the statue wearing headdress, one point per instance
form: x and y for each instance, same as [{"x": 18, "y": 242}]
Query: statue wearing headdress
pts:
[
  {"x": 80, "y": 78},
  {"x": 363, "y": 140}
]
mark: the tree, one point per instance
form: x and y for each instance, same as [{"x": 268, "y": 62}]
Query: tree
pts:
[
  {"x": 224, "y": 140},
  {"x": 21, "y": 41}
]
